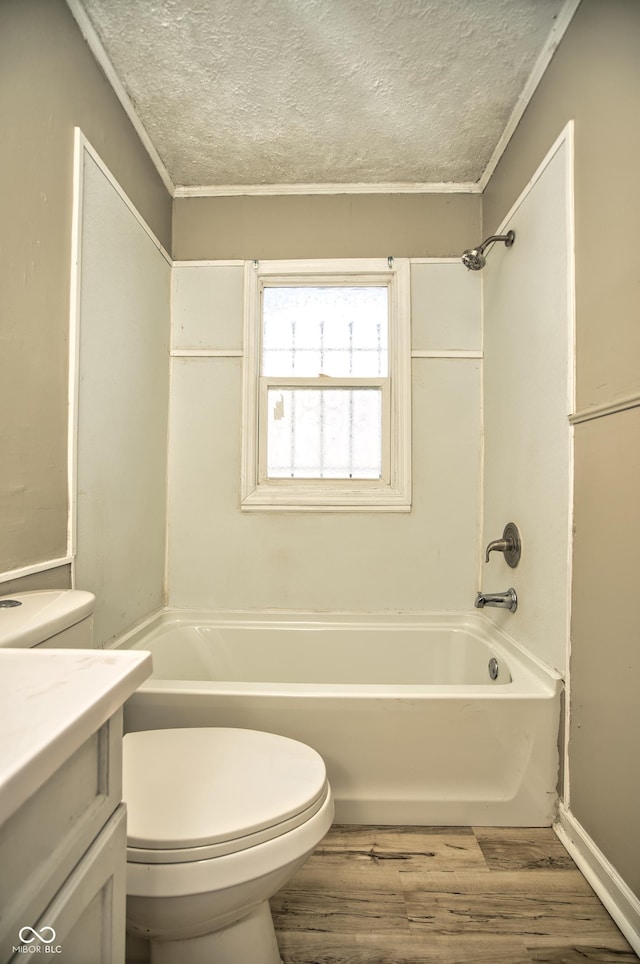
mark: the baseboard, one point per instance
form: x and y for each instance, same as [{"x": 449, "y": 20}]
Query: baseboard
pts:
[{"x": 619, "y": 900}]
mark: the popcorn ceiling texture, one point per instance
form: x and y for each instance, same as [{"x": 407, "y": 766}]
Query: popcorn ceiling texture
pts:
[{"x": 323, "y": 91}]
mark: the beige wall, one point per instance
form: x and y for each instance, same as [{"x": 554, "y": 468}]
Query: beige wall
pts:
[
  {"x": 594, "y": 78},
  {"x": 605, "y": 675},
  {"x": 326, "y": 226},
  {"x": 49, "y": 82}
]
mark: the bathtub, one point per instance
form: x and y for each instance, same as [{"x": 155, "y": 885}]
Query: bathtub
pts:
[{"x": 404, "y": 710}]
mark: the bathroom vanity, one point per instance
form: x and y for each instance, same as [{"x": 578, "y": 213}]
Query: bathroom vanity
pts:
[{"x": 62, "y": 820}]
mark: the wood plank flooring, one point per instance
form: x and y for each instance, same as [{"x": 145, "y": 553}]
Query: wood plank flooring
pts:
[{"x": 420, "y": 895}]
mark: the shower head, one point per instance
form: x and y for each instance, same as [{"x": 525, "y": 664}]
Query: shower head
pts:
[{"x": 474, "y": 258}]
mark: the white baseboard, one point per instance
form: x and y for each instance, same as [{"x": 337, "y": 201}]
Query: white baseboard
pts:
[{"x": 617, "y": 897}]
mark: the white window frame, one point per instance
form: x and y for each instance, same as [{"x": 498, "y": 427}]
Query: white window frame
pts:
[{"x": 393, "y": 491}]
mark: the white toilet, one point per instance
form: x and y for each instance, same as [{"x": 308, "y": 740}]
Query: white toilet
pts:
[
  {"x": 218, "y": 820},
  {"x": 47, "y": 618}
]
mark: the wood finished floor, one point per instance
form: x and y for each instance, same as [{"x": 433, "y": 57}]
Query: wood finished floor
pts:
[{"x": 420, "y": 895}]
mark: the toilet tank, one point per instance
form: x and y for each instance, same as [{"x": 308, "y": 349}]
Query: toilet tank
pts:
[{"x": 56, "y": 618}]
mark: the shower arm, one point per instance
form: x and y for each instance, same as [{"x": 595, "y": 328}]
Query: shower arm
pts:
[{"x": 507, "y": 238}]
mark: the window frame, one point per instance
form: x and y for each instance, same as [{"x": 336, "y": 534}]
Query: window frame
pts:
[{"x": 393, "y": 491}]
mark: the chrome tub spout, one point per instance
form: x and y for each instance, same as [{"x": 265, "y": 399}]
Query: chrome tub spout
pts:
[{"x": 499, "y": 600}]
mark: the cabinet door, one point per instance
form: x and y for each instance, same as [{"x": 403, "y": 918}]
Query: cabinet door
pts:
[
  {"x": 85, "y": 922},
  {"x": 43, "y": 841}
]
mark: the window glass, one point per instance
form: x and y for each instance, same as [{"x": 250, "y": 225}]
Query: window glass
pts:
[
  {"x": 336, "y": 331},
  {"x": 324, "y": 433}
]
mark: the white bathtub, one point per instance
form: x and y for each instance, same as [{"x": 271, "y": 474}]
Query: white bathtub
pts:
[{"x": 411, "y": 726}]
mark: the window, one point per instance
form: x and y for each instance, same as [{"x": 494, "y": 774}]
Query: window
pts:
[{"x": 326, "y": 385}]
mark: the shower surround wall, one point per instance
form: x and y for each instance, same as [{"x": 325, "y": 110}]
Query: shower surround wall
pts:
[
  {"x": 122, "y": 336},
  {"x": 222, "y": 558},
  {"x": 527, "y": 388}
]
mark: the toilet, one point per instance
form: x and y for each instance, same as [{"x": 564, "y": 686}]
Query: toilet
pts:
[
  {"x": 47, "y": 618},
  {"x": 218, "y": 820}
]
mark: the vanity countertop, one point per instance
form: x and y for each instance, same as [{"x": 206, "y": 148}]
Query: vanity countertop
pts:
[{"x": 51, "y": 701}]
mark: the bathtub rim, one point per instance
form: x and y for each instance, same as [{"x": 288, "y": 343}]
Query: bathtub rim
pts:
[{"x": 531, "y": 678}]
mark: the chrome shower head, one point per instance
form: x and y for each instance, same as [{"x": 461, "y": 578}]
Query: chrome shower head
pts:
[{"x": 474, "y": 259}]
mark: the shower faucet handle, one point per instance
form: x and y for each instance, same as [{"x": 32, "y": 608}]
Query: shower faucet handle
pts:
[
  {"x": 498, "y": 545},
  {"x": 509, "y": 545}
]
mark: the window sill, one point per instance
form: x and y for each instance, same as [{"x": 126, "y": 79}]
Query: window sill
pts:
[{"x": 318, "y": 498}]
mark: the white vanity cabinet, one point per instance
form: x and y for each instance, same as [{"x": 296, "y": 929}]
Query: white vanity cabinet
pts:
[{"x": 62, "y": 820}]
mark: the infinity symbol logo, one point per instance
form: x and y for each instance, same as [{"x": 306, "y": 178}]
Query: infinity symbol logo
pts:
[{"x": 40, "y": 935}]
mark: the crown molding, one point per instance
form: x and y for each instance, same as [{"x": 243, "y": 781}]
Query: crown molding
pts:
[{"x": 385, "y": 187}]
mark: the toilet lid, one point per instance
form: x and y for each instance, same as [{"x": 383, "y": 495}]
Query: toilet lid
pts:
[{"x": 187, "y": 788}]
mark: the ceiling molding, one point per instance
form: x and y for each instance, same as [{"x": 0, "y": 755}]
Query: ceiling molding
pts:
[
  {"x": 263, "y": 190},
  {"x": 95, "y": 46},
  {"x": 400, "y": 187}
]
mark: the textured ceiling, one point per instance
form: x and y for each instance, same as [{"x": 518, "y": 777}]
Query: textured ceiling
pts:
[{"x": 255, "y": 92}]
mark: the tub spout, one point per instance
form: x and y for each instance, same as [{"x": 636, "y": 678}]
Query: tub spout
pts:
[{"x": 500, "y": 600}]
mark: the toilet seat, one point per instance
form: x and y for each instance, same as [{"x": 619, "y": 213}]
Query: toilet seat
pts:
[{"x": 176, "y": 816}]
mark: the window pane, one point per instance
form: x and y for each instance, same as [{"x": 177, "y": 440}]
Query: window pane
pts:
[
  {"x": 337, "y": 331},
  {"x": 324, "y": 433}
]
